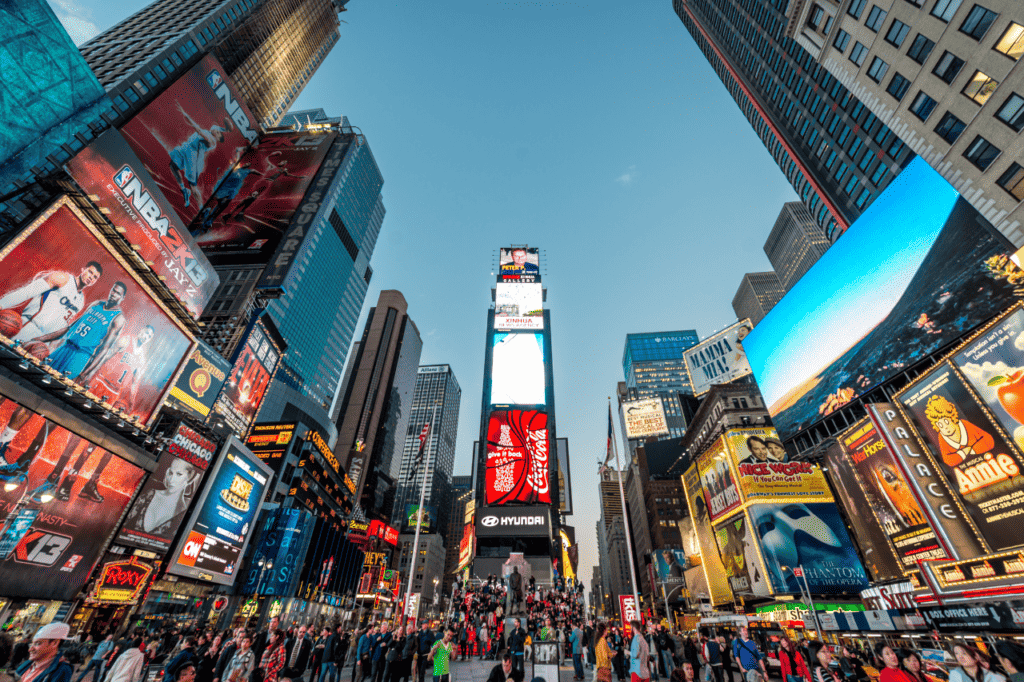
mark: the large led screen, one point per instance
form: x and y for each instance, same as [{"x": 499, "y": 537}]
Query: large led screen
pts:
[
  {"x": 518, "y": 306},
  {"x": 214, "y": 540},
  {"x": 718, "y": 359},
  {"x": 519, "y": 264},
  {"x": 517, "y": 369},
  {"x": 68, "y": 302},
  {"x": 907, "y": 278},
  {"x": 191, "y": 135},
  {"x": 240, "y": 399},
  {"x": 518, "y": 458},
  {"x": 60, "y": 499}
]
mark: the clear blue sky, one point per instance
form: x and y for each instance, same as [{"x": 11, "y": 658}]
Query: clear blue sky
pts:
[{"x": 595, "y": 130}]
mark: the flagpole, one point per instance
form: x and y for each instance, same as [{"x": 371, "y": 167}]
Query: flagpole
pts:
[
  {"x": 625, "y": 512},
  {"x": 419, "y": 520}
]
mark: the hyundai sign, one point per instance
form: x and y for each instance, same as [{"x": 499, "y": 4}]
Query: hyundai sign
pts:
[{"x": 516, "y": 521}]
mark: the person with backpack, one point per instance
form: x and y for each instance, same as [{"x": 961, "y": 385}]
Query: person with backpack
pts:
[
  {"x": 748, "y": 657},
  {"x": 713, "y": 655},
  {"x": 97, "y": 659}
]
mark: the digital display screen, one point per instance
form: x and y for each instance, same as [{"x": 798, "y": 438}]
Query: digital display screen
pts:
[
  {"x": 200, "y": 382},
  {"x": 240, "y": 400},
  {"x": 518, "y": 457},
  {"x": 517, "y": 369},
  {"x": 519, "y": 264},
  {"x": 518, "y": 306}
]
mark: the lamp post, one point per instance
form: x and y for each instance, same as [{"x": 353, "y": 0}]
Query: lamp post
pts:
[
  {"x": 265, "y": 565},
  {"x": 798, "y": 573}
]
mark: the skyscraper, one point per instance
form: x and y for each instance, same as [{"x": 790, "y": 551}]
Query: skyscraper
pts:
[
  {"x": 837, "y": 155},
  {"x": 795, "y": 244},
  {"x": 758, "y": 293},
  {"x": 652, "y": 363},
  {"x": 461, "y": 495},
  {"x": 269, "y": 48}
]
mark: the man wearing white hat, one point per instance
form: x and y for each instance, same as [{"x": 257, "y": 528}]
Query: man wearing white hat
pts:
[{"x": 44, "y": 663}]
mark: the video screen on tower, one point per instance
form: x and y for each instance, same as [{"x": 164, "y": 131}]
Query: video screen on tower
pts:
[
  {"x": 518, "y": 306},
  {"x": 517, "y": 369},
  {"x": 518, "y": 458},
  {"x": 519, "y": 264},
  {"x": 69, "y": 303},
  {"x": 918, "y": 269},
  {"x": 254, "y": 367}
]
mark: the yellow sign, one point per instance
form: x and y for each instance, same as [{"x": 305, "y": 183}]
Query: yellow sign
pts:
[
  {"x": 711, "y": 563},
  {"x": 765, "y": 470},
  {"x": 718, "y": 479}
]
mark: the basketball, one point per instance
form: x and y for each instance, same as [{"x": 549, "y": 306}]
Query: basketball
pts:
[
  {"x": 37, "y": 349},
  {"x": 10, "y": 322}
]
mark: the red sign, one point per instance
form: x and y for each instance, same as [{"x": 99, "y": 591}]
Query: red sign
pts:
[
  {"x": 384, "y": 532},
  {"x": 628, "y": 612},
  {"x": 518, "y": 457},
  {"x": 121, "y": 582},
  {"x": 798, "y": 572}
]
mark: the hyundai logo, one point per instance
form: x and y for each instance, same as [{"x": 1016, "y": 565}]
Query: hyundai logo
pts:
[{"x": 489, "y": 521}]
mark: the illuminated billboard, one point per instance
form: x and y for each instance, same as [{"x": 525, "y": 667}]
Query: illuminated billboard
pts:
[
  {"x": 718, "y": 359},
  {"x": 765, "y": 470},
  {"x": 213, "y": 542},
  {"x": 718, "y": 480},
  {"x": 191, "y": 136},
  {"x": 518, "y": 306},
  {"x": 200, "y": 382},
  {"x": 270, "y": 443},
  {"x": 518, "y": 458},
  {"x": 67, "y": 301},
  {"x": 114, "y": 177},
  {"x": 519, "y": 264},
  {"x": 425, "y": 517},
  {"x": 907, "y": 278},
  {"x": 644, "y": 418},
  {"x": 737, "y": 545},
  {"x": 60, "y": 499},
  {"x": 253, "y": 369},
  {"x": 711, "y": 563},
  {"x": 517, "y": 369},
  {"x": 165, "y": 498}
]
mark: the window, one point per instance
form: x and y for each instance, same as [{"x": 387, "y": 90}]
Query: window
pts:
[
  {"x": 856, "y": 8},
  {"x": 1012, "y": 42},
  {"x": 920, "y": 49},
  {"x": 840, "y": 172},
  {"x": 815, "y": 17},
  {"x": 876, "y": 17},
  {"x": 922, "y": 106},
  {"x": 916, "y": 3},
  {"x": 945, "y": 9},
  {"x": 1012, "y": 112},
  {"x": 859, "y": 52},
  {"x": 898, "y": 86},
  {"x": 980, "y": 87},
  {"x": 1013, "y": 181},
  {"x": 981, "y": 152},
  {"x": 877, "y": 70},
  {"x": 977, "y": 22},
  {"x": 842, "y": 40},
  {"x": 880, "y": 173},
  {"x": 851, "y": 186},
  {"x": 948, "y": 67},
  {"x": 863, "y": 198},
  {"x": 950, "y": 127},
  {"x": 897, "y": 33}
]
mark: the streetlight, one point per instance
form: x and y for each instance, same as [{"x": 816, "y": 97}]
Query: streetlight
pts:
[
  {"x": 265, "y": 565},
  {"x": 798, "y": 573}
]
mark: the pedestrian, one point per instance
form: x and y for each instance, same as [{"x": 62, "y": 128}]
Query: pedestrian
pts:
[
  {"x": 393, "y": 656},
  {"x": 821, "y": 663},
  {"x": 378, "y": 655},
  {"x": 186, "y": 656},
  {"x": 440, "y": 654},
  {"x": 794, "y": 665},
  {"x": 912, "y": 664},
  {"x": 128, "y": 666},
  {"x": 505, "y": 671},
  {"x": 242, "y": 663},
  {"x": 666, "y": 650},
  {"x": 97, "y": 659},
  {"x": 362, "y": 668},
  {"x": 316, "y": 659},
  {"x": 851, "y": 666},
  {"x": 974, "y": 666},
  {"x": 618, "y": 645},
  {"x": 206, "y": 670},
  {"x": 297, "y": 654},
  {"x": 424, "y": 641},
  {"x": 517, "y": 645},
  {"x": 684, "y": 673},
  {"x": 713, "y": 655},
  {"x": 1011, "y": 655},
  {"x": 749, "y": 658},
  {"x": 889, "y": 664},
  {"x": 602, "y": 655},
  {"x": 639, "y": 654},
  {"x": 44, "y": 664},
  {"x": 227, "y": 654},
  {"x": 576, "y": 642},
  {"x": 273, "y": 659},
  {"x": 727, "y": 660},
  {"x": 259, "y": 644}
]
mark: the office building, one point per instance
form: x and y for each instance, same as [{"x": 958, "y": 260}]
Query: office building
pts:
[
  {"x": 758, "y": 293},
  {"x": 725, "y": 406},
  {"x": 653, "y": 366},
  {"x": 269, "y": 48},
  {"x": 377, "y": 403},
  {"x": 428, "y": 569},
  {"x": 942, "y": 75},
  {"x": 837, "y": 154},
  {"x": 794, "y": 244},
  {"x": 435, "y": 401},
  {"x": 461, "y": 497}
]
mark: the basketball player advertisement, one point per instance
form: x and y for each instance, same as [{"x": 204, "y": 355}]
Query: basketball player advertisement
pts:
[
  {"x": 60, "y": 498},
  {"x": 111, "y": 172},
  {"x": 191, "y": 136},
  {"x": 67, "y": 302},
  {"x": 251, "y": 208},
  {"x": 255, "y": 363},
  {"x": 518, "y": 458}
]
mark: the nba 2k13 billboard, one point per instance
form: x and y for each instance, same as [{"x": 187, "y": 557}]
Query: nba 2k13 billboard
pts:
[{"x": 71, "y": 305}]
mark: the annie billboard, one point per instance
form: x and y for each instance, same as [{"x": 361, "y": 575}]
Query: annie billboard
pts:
[
  {"x": 909, "y": 277},
  {"x": 718, "y": 359}
]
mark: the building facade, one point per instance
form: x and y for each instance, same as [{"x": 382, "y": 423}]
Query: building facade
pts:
[
  {"x": 757, "y": 295},
  {"x": 428, "y": 569},
  {"x": 461, "y": 497},
  {"x": 794, "y": 244}
]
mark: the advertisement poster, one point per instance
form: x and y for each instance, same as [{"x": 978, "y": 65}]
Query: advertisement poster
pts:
[
  {"x": 199, "y": 382},
  {"x": 716, "y": 476},
  {"x": 903, "y": 294},
  {"x": 425, "y": 517},
  {"x": 980, "y": 466},
  {"x": 68, "y": 302},
  {"x": 518, "y": 457},
  {"x": 222, "y": 523},
  {"x": 711, "y": 562},
  {"x": 672, "y": 565},
  {"x": 737, "y": 546},
  {"x": 254, "y": 367},
  {"x": 109, "y": 170},
  {"x": 284, "y": 537},
  {"x": 518, "y": 305},
  {"x": 812, "y": 537},
  {"x": 61, "y": 497},
  {"x": 718, "y": 359},
  {"x": 164, "y": 500},
  {"x": 252, "y": 207},
  {"x": 191, "y": 135},
  {"x": 519, "y": 264},
  {"x": 644, "y": 418},
  {"x": 517, "y": 370},
  {"x": 890, "y": 497},
  {"x": 765, "y": 470},
  {"x": 270, "y": 443}
]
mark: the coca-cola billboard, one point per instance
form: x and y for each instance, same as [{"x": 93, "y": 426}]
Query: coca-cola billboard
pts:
[{"x": 518, "y": 458}]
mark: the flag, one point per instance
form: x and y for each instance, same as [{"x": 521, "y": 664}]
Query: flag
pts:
[
  {"x": 424, "y": 432},
  {"x": 608, "y": 448}
]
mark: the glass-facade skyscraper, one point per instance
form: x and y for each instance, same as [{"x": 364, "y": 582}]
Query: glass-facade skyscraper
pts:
[{"x": 653, "y": 366}]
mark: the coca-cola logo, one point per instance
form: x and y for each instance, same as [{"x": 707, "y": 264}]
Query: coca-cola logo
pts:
[{"x": 539, "y": 461}]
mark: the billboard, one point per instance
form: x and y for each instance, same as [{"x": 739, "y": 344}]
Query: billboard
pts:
[
  {"x": 982, "y": 469},
  {"x": 254, "y": 204},
  {"x": 672, "y": 565},
  {"x": 191, "y": 135},
  {"x": 518, "y": 305},
  {"x": 718, "y": 359},
  {"x": 425, "y": 517},
  {"x": 737, "y": 545},
  {"x": 284, "y": 538},
  {"x": 534, "y": 521},
  {"x": 812, "y": 537},
  {"x": 718, "y": 480},
  {"x": 564, "y": 477},
  {"x": 166, "y": 496},
  {"x": 61, "y": 498},
  {"x": 711, "y": 562},
  {"x": 110, "y": 172},
  {"x": 251, "y": 373},
  {"x": 214, "y": 540},
  {"x": 901, "y": 294},
  {"x": 199, "y": 383},
  {"x": 644, "y": 418},
  {"x": 518, "y": 458},
  {"x": 518, "y": 264},
  {"x": 765, "y": 470},
  {"x": 270, "y": 443},
  {"x": 68, "y": 301},
  {"x": 517, "y": 369}
]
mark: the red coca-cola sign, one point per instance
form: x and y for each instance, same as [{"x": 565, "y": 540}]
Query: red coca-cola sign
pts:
[{"x": 121, "y": 582}]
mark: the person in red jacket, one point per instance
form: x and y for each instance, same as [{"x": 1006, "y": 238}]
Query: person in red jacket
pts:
[{"x": 793, "y": 662}]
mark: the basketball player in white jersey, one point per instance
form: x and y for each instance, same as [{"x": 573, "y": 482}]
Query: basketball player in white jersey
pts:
[
  {"x": 55, "y": 298},
  {"x": 119, "y": 372}
]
